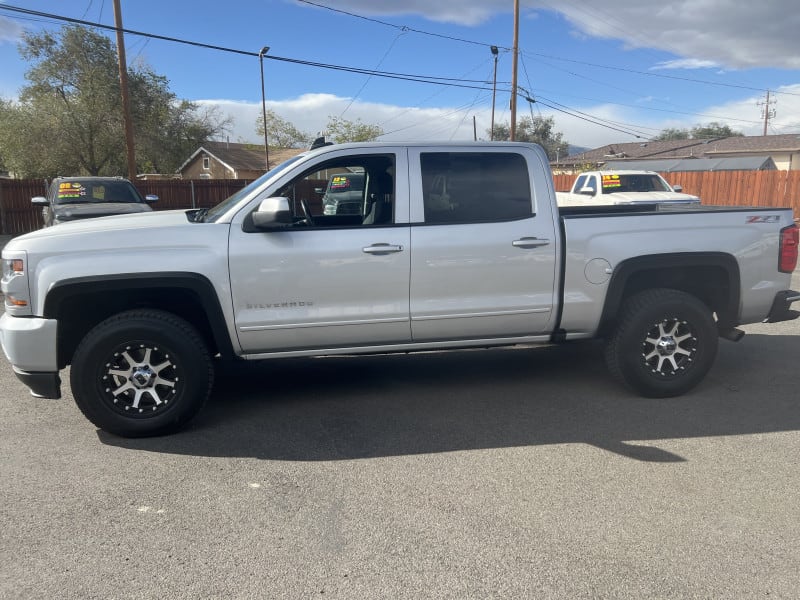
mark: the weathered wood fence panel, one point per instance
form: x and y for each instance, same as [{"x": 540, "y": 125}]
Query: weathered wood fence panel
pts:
[{"x": 725, "y": 188}]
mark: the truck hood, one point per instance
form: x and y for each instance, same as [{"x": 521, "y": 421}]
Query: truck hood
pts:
[
  {"x": 87, "y": 210},
  {"x": 119, "y": 227}
]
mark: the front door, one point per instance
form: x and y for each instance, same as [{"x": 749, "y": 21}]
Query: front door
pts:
[{"x": 339, "y": 276}]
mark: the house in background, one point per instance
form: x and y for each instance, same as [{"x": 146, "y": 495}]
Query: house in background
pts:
[
  {"x": 227, "y": 160},
  {"x": 784, "y": 150}
]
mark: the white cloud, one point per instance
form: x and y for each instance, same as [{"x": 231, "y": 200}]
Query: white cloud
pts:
[
  {"x": 731, "y": 33},
  {"x": 467, "y": 12},
  {"x": 310, "y": 113},
  {"x": 10, "y": 31},
  {"x": 685, "y": 63}
]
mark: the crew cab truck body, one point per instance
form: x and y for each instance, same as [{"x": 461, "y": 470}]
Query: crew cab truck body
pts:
[
  {"x": 456, "y": 245},
  {"x": 623, "y": 187}
]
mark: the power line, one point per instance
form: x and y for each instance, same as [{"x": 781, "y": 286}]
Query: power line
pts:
[
  {"x": 481, "y": 85},
  {"x": 403, "y": 28}
]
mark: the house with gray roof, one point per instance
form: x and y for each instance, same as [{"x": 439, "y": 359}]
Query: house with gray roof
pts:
[{"x": 784, "y": 150}]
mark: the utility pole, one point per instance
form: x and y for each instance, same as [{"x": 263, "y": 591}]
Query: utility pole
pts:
[
  {"x": 123, "y": 86},
  {"x": 514, "y": 73},
  {"x": 495, "y": 52},
  {"x": 261, "y": 54},
  {"x": 767, "y": 112}
]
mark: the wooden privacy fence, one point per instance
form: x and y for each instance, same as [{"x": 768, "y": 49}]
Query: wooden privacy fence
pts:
[
  {"x": 729, "y": 188},
  {"x": 19, "y": 215},
  {"x": 722, "y": 188}
]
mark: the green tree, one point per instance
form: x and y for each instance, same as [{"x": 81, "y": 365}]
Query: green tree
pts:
[
  {"x": 698, "y": 132},
  {"x": 713, "y": 130},
  {"x": 673, "y": 133},
  {"x": 343, "y": 130},
  {"x": 68, "y": 119},
  {"x": 281, "y": 133},
  {"x": 539, "y": 130}
]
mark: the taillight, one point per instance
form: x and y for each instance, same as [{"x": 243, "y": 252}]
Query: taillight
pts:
[{"x": 787, "y": 259}]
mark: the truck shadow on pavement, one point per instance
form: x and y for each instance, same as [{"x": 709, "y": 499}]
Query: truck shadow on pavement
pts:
[{"x": 376, "y": 406}]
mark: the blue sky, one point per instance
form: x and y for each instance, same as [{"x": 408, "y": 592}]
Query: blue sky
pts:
[{"x": 635, "y": 67}]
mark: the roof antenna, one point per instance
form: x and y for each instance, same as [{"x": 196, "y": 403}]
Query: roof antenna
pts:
[{"x": 319, "y": 143}]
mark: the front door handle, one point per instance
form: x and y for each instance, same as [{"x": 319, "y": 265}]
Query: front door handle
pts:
[
  {"x": 530, "y": 242},
  {"x": 382, "y": 249}
]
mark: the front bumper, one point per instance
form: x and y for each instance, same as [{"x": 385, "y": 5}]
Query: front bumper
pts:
[
  {"x": 781, "y": 307},
  {"x": 41, "y": 385},
  {"x": 29, "y": 344}
]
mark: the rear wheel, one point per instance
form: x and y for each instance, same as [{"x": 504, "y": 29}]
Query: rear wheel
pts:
[
  {"x": 141, "y": 373},
  {"x": 664, "y": 344}
]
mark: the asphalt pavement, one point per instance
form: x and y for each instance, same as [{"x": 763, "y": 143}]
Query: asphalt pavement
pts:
[{"x": 514, "y": 473}]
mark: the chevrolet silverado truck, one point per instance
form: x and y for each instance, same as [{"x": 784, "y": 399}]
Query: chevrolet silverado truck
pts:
[
  {"x": 623, "y": 187},
  {"x": 452, "y": 246}
]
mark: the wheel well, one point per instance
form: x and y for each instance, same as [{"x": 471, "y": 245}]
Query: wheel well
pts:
[
  {"x": 78, "y": 312},
  {"x": 716, "y": 285}
]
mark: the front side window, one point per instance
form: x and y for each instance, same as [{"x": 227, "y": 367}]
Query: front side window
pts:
[
  {"x": 474, "y": 187},
  {"x": 350, "y": 191}
]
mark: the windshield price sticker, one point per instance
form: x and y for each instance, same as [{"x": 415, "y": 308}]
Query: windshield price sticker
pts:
[
  {"x": 611, "y": 181},
  {"x": 338, "y": 183},
  {"x": 71, "y": 190}
]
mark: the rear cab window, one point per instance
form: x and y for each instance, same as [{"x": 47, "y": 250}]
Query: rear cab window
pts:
[{"x": 475, "y": 187}]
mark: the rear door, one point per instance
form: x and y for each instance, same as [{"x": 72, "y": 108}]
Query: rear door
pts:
[{"x": 483, "y": 262}]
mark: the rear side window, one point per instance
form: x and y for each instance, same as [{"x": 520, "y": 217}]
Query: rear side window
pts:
[{"x": 475, "y": 187}]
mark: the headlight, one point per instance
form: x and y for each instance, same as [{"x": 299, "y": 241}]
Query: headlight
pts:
[
  {"x": 13, "y": 267},
  {"x": 15, "y": 282}
]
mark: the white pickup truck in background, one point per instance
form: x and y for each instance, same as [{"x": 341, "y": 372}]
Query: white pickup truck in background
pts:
[
  {"x": 446, "y": 246},
  {"x": 623, "y": 187}
]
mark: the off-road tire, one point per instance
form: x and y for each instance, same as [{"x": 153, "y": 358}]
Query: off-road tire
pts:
[
  {"x": 664, "y": 344},
  {"x": 141, "y": 373}
]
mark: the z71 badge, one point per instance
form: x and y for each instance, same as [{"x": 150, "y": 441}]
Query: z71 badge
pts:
[{"x": 763, "y": 219}]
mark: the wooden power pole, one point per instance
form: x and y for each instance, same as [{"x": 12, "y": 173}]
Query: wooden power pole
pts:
[
  {"x": 123, "y": 86},
  {"x": 515, "y": 53}
]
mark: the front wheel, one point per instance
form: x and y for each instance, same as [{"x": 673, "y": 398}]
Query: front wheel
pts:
[
  {"x": 141, "y": 373},
  {"x": 664, "y": 344}
]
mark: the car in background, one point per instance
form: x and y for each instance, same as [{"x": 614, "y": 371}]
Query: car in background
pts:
[
  {"x": 344, "y": 195},
  {"x": 623, "y": 187},
  {"x": 74, "y": 198}
]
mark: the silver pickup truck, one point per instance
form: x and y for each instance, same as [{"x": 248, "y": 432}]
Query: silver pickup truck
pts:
[{"x": 451, "y": 246}]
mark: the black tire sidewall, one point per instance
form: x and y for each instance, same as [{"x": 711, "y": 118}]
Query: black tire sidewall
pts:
[{"x": 156, "y": 328}]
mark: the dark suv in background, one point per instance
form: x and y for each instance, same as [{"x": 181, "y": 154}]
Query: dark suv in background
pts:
[{"x": 73, "y": 198}]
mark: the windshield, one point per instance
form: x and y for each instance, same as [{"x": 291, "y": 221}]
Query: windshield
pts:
[
  {"x": 644, "y": 182},
  {"x": 214, "y": 213},
  {"x": 89, "y": 191}
]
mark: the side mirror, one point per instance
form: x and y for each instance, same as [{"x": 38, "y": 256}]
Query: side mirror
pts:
[
  {"x": 677, "y": 188},
  {"x": 319, "y": 190},
  {"x": 151, "y": 198},
  {"x": 39, "y": 200},
  {"x": 272, "y": 212},
  {"x": 587, "y": 191}
]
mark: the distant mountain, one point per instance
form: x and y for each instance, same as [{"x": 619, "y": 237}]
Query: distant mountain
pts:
[{"x": 577, "y": 149}]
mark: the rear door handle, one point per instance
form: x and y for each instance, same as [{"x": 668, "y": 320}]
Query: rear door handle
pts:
[
  {"x": 530, "y": 242},
  {"x": 382, "y": 249}
]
